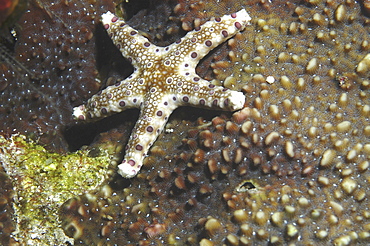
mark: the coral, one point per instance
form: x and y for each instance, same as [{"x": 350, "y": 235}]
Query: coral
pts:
[
  {"x": 57, "y": 56},
  {"x": 154, "y": 20},
  {"x": 249, "y": 187},
  {"x": 42, "y": 181},
  {"x": 51, "y": 69},
  {"x": 291, "y": 168}
]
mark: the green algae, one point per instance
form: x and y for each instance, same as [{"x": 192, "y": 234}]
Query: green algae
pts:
[{"x": 42, "y": 182}]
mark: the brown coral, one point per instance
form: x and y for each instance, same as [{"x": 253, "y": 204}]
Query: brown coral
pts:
[
  {"x": 52, "y": 68},
  {"x": 292, "y": 167}
]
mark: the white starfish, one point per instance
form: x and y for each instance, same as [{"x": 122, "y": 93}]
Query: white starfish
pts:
[{"x": 164, "y": 79}]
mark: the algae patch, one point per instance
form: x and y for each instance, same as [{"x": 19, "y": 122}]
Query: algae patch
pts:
[{"x": 42, "y": 182}]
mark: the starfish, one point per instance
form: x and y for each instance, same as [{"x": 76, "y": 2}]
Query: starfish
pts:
[{"x": 164, "y": 78}]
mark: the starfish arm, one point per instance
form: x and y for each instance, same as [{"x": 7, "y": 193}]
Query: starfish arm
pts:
[
  {"x": 117, "y": 98},
  {"x": 153, "y": 117},
  {"x": 204, "y": 94},
  {"x": 135, "y": 47},
  {"x": 188, "y": 51}
]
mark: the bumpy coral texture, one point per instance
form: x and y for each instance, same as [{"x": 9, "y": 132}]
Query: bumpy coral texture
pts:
[
  {"x": 52, "y": 68},
  {"x": 291, "y": 167},
  {"x": 59, "y": 56}
]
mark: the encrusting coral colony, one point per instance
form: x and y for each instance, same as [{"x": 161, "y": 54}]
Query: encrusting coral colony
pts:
[{"x": 289, "y": 167}]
